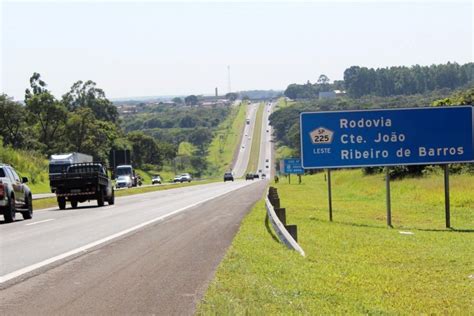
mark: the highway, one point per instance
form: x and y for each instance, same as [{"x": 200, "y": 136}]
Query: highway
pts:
[
  {"x": 265, "y": 156},
  {"x": 242, "y": 160},
  {"x": 152, "y": 253}
]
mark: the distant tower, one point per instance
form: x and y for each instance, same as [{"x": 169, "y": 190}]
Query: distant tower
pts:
[
  {"x": 228, "y": 79},
  {"x": 217, "y": 93}
]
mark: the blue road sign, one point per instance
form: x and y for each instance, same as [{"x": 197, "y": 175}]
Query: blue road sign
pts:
[
  {"x": 292, "y": 165},
  {"x": 387, "y": 137}
]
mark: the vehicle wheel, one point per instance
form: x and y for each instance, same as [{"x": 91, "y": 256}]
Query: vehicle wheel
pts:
[
  {"x": 28, "y": 214},
  {"x": 9, "y": 212},
  {"x": 100, "y": 198},
  {"x": 74, "y": 203},
  {"x": 111, "y": 201},
  {"x": 62, "y": 203}
]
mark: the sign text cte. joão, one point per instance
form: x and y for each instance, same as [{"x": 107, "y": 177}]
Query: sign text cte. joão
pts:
[{"x": 386, "y": 137}]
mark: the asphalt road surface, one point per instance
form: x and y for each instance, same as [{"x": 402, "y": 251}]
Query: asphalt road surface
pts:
[
  {"x": 246, "y": 143},
  {"x": 163, "y": 269},
  {"x": 152, "y": 253}
]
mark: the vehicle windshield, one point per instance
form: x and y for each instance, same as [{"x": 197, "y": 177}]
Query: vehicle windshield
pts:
[
  {"x": 2, "y": 173},
  {"x": 124, "y": 171},
  {"x": 123, "y": 178}
]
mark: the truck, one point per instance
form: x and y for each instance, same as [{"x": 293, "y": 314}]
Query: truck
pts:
[
  {"x": 126, "y": 171},
  {"x": 59, "y": 163},
  {"x": 83, "y": 182}
]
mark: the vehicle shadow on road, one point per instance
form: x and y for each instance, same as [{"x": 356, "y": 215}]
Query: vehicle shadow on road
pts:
[{"x": 69, "y": 208}]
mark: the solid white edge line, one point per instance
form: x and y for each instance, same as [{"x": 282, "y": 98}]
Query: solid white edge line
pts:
[
  {"x": 43, "y": 221},
  {"x": 43, "y": 263}
]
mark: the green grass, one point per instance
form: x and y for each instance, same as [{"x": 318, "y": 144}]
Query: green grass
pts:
[
  {"x": 51, "y": 202},
  {"x": 256, "y": 138},
  {"x": 226, "y": 141},
  {"x": 354, "y": 265},
  {"x": 28, "y": 164}
]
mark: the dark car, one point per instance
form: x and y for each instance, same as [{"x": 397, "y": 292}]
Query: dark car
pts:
[
  {"x": 15, "y": 196},
  {"x": 256, "y": 176},
  {"x": 228, "y": 177},
  {"x": 249, "y": 176}
]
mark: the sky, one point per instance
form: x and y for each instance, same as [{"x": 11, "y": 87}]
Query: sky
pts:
[{"x": 153, "y": 48}]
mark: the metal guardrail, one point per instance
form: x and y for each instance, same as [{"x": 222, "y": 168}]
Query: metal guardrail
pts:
[{"x": 280, "y": 228}]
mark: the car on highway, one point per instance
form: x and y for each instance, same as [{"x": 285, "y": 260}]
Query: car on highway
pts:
[
  {"x": 123, "y": 182},
  {"x": 256, "y": 176},
  {"x": 266, "y": 160},
  {"x": 185, "y": 177},
  {"x": 15, "y": 195},
  {"x": 249, "y": 176},
  {"x": 156, "y": 179},
  {"x": 228, "y": 176},
  {"x": 264, "y": 176},
  {"x": 83, "y": 182}
]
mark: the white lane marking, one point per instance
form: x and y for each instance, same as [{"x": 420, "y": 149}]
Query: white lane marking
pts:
[
  {"x": 44, "y": 221},
  {"x": 43, "y": 263}
]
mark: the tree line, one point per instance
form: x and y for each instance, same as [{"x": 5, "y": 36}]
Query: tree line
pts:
[
  {"x": 389, "y": 81},
  {"x": 82, "y": 120}
]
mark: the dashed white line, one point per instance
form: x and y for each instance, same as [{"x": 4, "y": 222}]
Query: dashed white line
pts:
[{"x": 40, "y": 222}]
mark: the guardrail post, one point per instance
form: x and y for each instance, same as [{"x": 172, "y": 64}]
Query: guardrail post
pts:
[
  {"x": 293, "y": 231},
  {"x": 281, "y": 213}
]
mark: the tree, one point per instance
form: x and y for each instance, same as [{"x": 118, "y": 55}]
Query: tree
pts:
[
  {"x": 191, "y": 100},
  {"x": 231, "y": 96},
  {"x": 80, "y": 129},
  {"x": 200, "y": 137},
  {"x": 145, "y": 149},
  {"x": 323, "y": 81},
  {"x": 86, "y": 94},
  {"x": 46, "y": 112},
  {"x": 12, "y": 121},
  {"x": 177, "y": 100}
]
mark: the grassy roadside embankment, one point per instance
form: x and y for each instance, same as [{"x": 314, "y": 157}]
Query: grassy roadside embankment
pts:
[
  {"x": 256, "y": 139},
  {"x": 226, "y": 141},
  {"x": 354, "y": 265}
]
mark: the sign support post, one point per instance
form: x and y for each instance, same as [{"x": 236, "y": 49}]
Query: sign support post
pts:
[
  {"x": 289, "y": 178},
  {"x": 446, "y": 196},
  {"x": 329, "y": 195},
  {"x": 389, "y": 206}
]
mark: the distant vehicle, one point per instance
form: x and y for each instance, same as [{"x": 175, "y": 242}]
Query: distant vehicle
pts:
[
  {"x": 259, "y": 170},
  {"x": 228, "y": 177},
  {"x": 250, "y": 138},
  {"x": 156, "y": 179},
  {"x": 266, "y": 160},
  {"x": 127, "y": 170},
  {"x": 247, "y": 121},
  {"x": 59, "y": 163},
  {"x": 268, "y": 130},
  {"x": 243, "y": 147},
  {"x": 185, "y": 177},
  {"x": 267, "y": 166},
  {"x": 83, "y": 182},
  {"x": 15, "y": 195},
  {"x": 256, "y": 176},
  {"x": 249, "y": 176},
  {"x": 123, "y": 182},
  {"x": 264, "y": 176}
]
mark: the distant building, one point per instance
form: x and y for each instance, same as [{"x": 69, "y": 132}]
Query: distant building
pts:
[
  {"x": 331, "y": 94},
  {"x": 327, "y": 95}
]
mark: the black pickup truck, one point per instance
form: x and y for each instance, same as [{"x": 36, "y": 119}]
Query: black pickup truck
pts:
[{"x": 83, "y": 182}]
